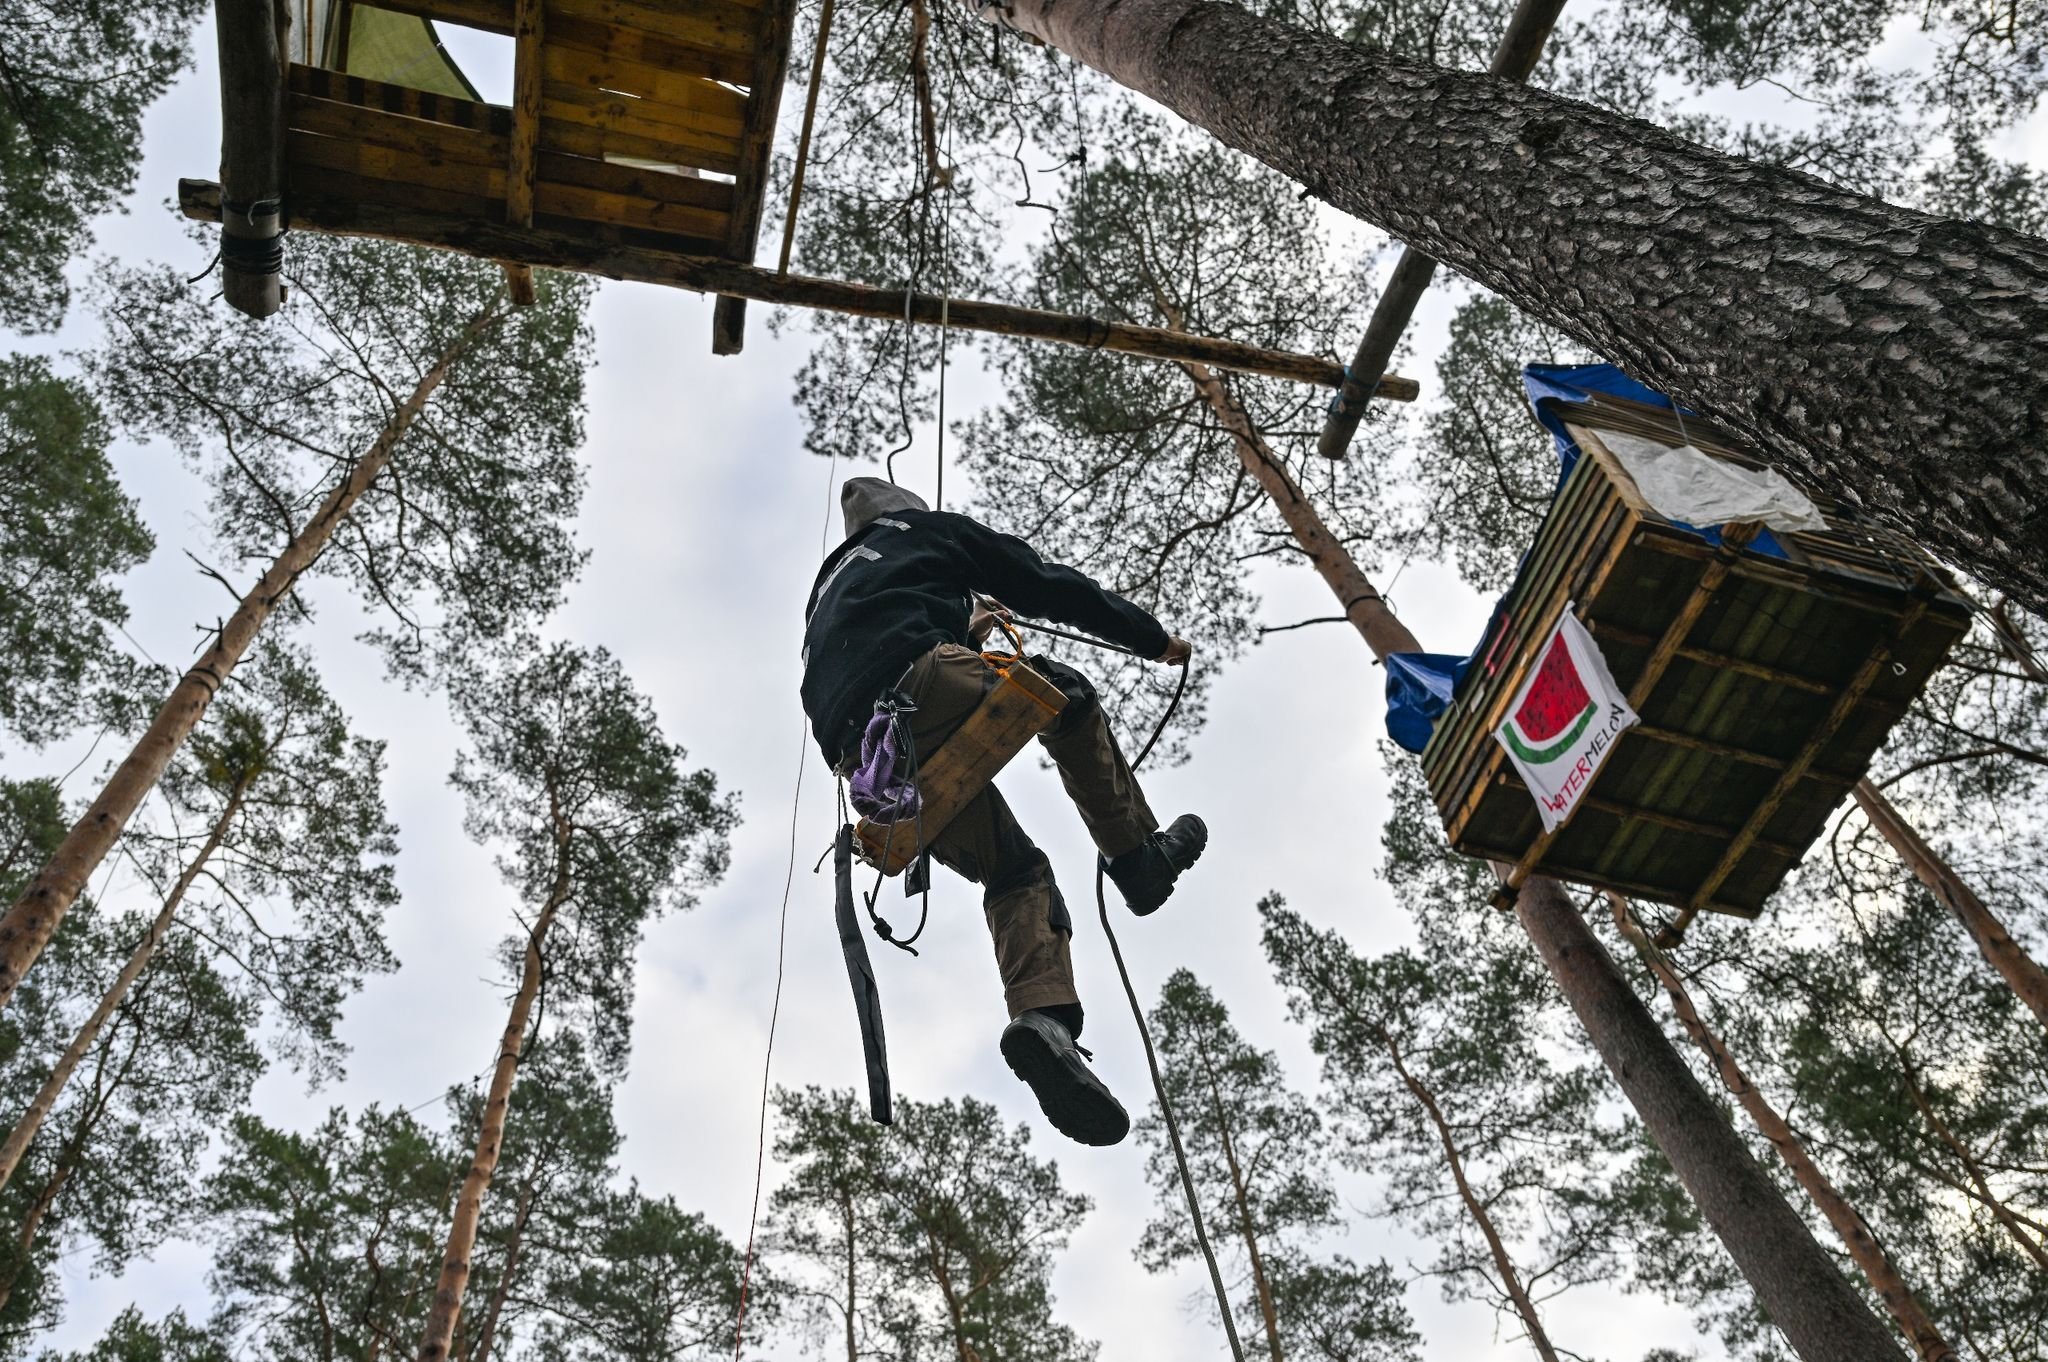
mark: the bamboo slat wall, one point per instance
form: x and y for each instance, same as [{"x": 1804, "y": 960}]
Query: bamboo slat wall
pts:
[{"x": 1780, "y": 691}]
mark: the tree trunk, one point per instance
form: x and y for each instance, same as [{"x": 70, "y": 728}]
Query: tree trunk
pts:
[
  {"x": 852, "y": 1347},
  {"x": 1790, "y": 1273},
  {"x": 1794, "y": 1280},
  {"x": 2005, "y": 955},
  {"x": 1502, "y": 1262},
  {"x": 1892, "y": 356},
  {"x": 1856, "y": 1235},
  {"x": 469, "y": 1203},
  {"x": 488, "y": 1334},
  {"x": 24, "y": 1132},
  {"x": 25, "y": 1236},
  {"x": 32, "y": 920},
  {"x": 1260, "y": 1284}
]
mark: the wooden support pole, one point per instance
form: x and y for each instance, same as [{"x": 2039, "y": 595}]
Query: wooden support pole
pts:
[
  {"x": 750, "y": 184},
  {"x": 803, "y": 137},
  {"x": 2022, "y": 974},
  {"x": 1521, "y": 47},
  {"x": 251, "y": 219},
  {"x": 523, "y": 162},
  {"x": 705, "y": 274}
]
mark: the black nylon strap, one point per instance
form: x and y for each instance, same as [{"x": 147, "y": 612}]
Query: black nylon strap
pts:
[{"x": 867, "y": 997}]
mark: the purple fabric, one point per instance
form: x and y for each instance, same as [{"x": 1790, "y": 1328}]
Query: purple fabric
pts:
[{"x": 877, "y": 788}]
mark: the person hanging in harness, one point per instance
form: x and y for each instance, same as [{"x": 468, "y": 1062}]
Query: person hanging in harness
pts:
[{"x": 894, "y": 609}]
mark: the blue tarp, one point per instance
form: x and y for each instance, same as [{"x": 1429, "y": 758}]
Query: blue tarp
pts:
[{"x": 1421, "y": 686}]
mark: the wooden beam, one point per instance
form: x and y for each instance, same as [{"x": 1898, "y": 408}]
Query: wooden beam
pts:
[
  {"x": 522, "y": 161},
  {"x": 481, "y": 236},
  {"x": 1670, "y": 738},
  {"x": 1823, "y": 733},
  {"x": 750, "y": 185},
  {"x": 252, "y": 67},
  {"x": 1777, "y": 676},
  {"x": 1521, "y": 47}
]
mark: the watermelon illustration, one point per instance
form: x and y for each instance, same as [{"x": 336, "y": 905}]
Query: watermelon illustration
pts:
[{"x": 1554, "y": 711}]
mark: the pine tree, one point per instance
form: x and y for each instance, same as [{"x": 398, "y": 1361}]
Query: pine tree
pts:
[
  {"x": 352, "y": 481},
  {"x": 600, "y": 830},
  {"x": 132, "y": 1338},
  {"x": 326, "y": 1245},
  {"x": 931, "y": 1240},
  {"x": 1258, "y": 1152},
  {"x": 276, "y": 858},
  {"x": 75, "y": 78},
  {"x": 1476, "y": 172},
  {"x": 66, "y": 534}
]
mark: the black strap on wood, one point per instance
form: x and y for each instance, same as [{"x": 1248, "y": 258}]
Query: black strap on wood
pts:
[{"x": 867, "y": 996}]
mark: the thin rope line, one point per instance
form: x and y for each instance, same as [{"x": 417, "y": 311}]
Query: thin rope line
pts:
[{"x": 768, "y": 1056}]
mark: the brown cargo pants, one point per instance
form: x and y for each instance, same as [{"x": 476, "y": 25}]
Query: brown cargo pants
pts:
[{"x": 1027, "y": 919}]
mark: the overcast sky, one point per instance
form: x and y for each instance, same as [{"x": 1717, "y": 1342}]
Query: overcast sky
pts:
[{"x": 704, "y": 519}]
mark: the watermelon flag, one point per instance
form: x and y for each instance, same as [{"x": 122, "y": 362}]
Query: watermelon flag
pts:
[{"x": 1563, "y": 723}]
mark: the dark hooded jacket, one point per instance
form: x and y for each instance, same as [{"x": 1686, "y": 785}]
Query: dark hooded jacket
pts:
[{"x": 902, "y": 584}]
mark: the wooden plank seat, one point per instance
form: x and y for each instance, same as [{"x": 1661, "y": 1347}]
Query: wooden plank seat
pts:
[{"x": 1019, "y": 707}]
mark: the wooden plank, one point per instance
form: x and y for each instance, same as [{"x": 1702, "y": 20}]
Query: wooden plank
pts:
[
  {"x": 705, "y": 148},
  {"x": 651, "y": 49},
  {"x": 771, "y": 68},
  {"x": 252, "y": 152},
  {"x": 628, "y": 210},
  {"x": 1019, "y": 707},
  {"x": 523, "y": 159},
  {"x": 712, "y": 106},
  {"x": 1823, "y": 733},
  {"x": 438, "y": 142},
  {"x": 483, "y": 235},
  {"x": 317, "y": 83},
  {"x": 597, "y": 143},
  {"x": 394, "y": 165},
  {"x": 690, "y": 191},
  {"x": 1777, "y": 676},
  {"x": 324, "y": 191},
  {"x": 717, "y": 25}
]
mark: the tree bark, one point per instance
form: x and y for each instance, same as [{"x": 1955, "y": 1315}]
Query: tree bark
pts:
[
  {"x": 1798, "y": 1286},
  {"x": 1891, "y": 356},
  {"x": 469, "y": 1203},
  {"x": 2022, "y": 974},
  {"x": 24, "y": 1132},
  {"x": 33, "y": 918},
  {"x": 1504, "y": 1264},
  {"x": 1790, "y": 1273},
  {"x": 1855, "y": 1232}
]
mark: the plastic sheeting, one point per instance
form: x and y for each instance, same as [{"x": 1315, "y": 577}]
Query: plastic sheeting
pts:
[
  {"x": 1693, "y": 487},
  {"x": 1421, "y": 686}
]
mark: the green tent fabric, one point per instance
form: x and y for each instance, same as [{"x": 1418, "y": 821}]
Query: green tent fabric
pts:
[{"x": 400, "y": 49}]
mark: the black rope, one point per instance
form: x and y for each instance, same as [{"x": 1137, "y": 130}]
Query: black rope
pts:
[{"x": 1180, "y": 1157}]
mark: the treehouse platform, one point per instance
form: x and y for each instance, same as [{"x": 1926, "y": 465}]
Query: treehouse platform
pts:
[
  {"x": 1766, "y": 667},
  {"x": 635, "y": 123}
]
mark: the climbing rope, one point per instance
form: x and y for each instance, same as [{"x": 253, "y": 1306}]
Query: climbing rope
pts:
[{"x": 1180, "y": 1157}]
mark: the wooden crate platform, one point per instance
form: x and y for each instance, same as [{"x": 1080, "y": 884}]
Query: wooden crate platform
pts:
[
  {"x": 1778, "y": 682},
  {"x": 636, "y": 122},
  {"x": 1019, "y": 707}
]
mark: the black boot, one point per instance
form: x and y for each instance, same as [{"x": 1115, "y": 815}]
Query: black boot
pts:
[
  {"x": 1042, "y": 1052},
  {"x": 1145, "y": 874}
]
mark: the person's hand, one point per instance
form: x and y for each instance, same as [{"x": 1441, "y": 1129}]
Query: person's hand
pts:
[
  {"x": 982, "y": 619},
  {"x": 1177, "y": 652}
]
